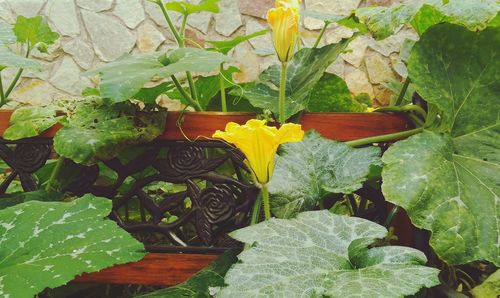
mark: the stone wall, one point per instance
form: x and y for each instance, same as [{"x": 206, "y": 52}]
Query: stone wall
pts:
[{"x": 94, "y": 32}]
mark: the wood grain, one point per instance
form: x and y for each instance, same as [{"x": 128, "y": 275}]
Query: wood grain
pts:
[
  {"x": 201, "y": 125},
  {"x": 156, "y": 269}
]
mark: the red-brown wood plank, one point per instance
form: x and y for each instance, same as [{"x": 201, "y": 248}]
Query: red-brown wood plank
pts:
[
  {"x": 156, "y": 269},
  {"x": 335, "y": 126}
]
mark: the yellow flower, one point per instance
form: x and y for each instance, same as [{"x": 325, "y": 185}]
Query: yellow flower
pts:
[
  {"x": 284, "y": 20},
  {"x": 259, "y": 143}
]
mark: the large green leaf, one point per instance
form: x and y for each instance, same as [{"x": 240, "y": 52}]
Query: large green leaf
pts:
[
  {"x": 34, "y": 30},
  {"x": 422, "y": 14},
  {"x": 449, "y": 183},
  {"x": 99, "y": 132},
  {"x": 224, "y": 46},
  {"x": 186, "y": 8},
  {"x": 47, "y": 244},
  {"x": 331, "y": 94},
  {"x": 304, "y": 71},
  {"x": 308, "y": 171},
  {"x": 490, "y": 288},
  {"x": 27, "y": 122},
  {"x": 320, "y": 254},
  {"x": 10, "y": 59},
  {"x": 6, "y": 34},
  {"x": 124, "y": 78},
  {"x": 199, "y": 285}
]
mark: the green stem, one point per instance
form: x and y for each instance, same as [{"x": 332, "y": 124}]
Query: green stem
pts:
[
  {"x": 403, "y": 92},
  {"x": 191, "y": 101},
  {"x": 183, "y": 28},
  {"x": 192, "y": 87},
  {"x": 255, "y": 215},
  {"x": 178, "y": 38},
  {"x": 2, "y": 94},
  {"x": 265, "y": 200},
  {"x": 318, "y": 40},
  {"x": 407, "y": 108},
  {"x": 385, "y": 138},
  {"x": 222, "y": 86},
  {"x": 282, "y": 118},
  {"x": 390, "y": 217},
  {"x": 18, "y": 74},
  {"x": 55, "y": 173}
]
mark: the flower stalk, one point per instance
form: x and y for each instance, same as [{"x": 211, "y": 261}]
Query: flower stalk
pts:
[
  {"x": 282, "y": 94},
  {"x": 222, "y": 87}
]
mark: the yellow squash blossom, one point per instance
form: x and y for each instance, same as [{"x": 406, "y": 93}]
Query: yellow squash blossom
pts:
[
  {"x": 284, "y": 21},
  {"x": 259, "y": 143}
]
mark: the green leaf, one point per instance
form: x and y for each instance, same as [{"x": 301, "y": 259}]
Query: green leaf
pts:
[
  {"x": 320, "y": 254},
  {"x": 422, "y": 14},
  {"x": 224, "y": 46},
  {"x": 45, "y": 245},
  {"x": 27, "y": 122},
  {"x": 307, "y": 171},
  {"x": 304, "y": 71},
  {"x": 188, "y": 8},
  {"x": 149, "y": 95},
  {"x": 489, "y": 288},
  {"x": 34, "y": 30},
  {"x": 122, "y": 79},
  {"x": 449, "y": 183},
  {"x": 6, "y": 34},
  {"x": 97, "y": 132},
  {"x": 10, "y": 59},
  {"x": 331, "y": 94},
  {"x": 199, "y": 285}
]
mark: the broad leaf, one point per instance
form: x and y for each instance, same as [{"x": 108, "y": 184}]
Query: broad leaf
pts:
[
  {"x": 304, "y": 71},
  {"x": 6, "y": 34},
  {"x": 331, "y": 94},
  {"x": 34, "y": 30},
  {"x": 449, "y": 183},
  {"x": 187, "y": 8},
  {"x": 422, "y": 14},
  {"x": 45, "y": 245},
  {"x": 149, "y": 95},
  {"x": 200, "y": 284},
  {"x": 489, "y": 288},
  {"x": 27, "y": 122},
  {"x": 308, "y": 171},
  {"x": 121, "y": 80},
  {"x": 224, "y": 46},
  {"x": 320, "y": 254},
  {"x": 10, "y": 59},
  {"x": 98, "y": 132}
]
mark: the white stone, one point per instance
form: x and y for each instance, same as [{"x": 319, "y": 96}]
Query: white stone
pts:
[
  {"x": 337, "y": 68},
  {"x": 393, "y": 43},
  {"x": 5, "y": 12},
  {"x": 67, "y": 77},
  {"x": 149, "y": 38},
  {"x": 82, "y": 53},
  {"x": 332, "y": 7},
  {"x": 62, "y": 14},
  {"x": 130, "y": 12},
  {"x": 358, "y": 83},
  {"x": 200, "y": 21},
  {"x": 36, "y": 92},
  {"x": 355, "y": 51},
  {"x": 154, "y": 12},
  {"x": 260, "y": 42},
  {"x": 336, "y": 33},
  {"x": 42, "y": 75},
  {"x": 26, "y": 8},
  {"x": 248, "y": 63},
  {"x": 110, "y": 38},
  {"x": 228, "y": 19},
  {"x": 95, "y": 5},
  {"x": 379, "y": 69},
  {"x": 54, "y": 51}
]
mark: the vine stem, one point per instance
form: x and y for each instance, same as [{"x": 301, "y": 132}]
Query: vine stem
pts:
[
  {"x": 255, "y": 214},
  {"x": 384, "y": 138},
  {"x": 407, "y": 108},
  {"x": 403, "y": 91},
  {"x": 323, "y": 30},
  {"x": 55, "y": 173},
  {"x": 265, "y": 201},
  {"x": 194, "y": 103},
  {"x": 2, "y": 94},
  {"x": 390, "y": 217},
  {"x": 171, "y": 26},
  {"x": 282, "y": 117},
  {"x": 222, "y": 88}
]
